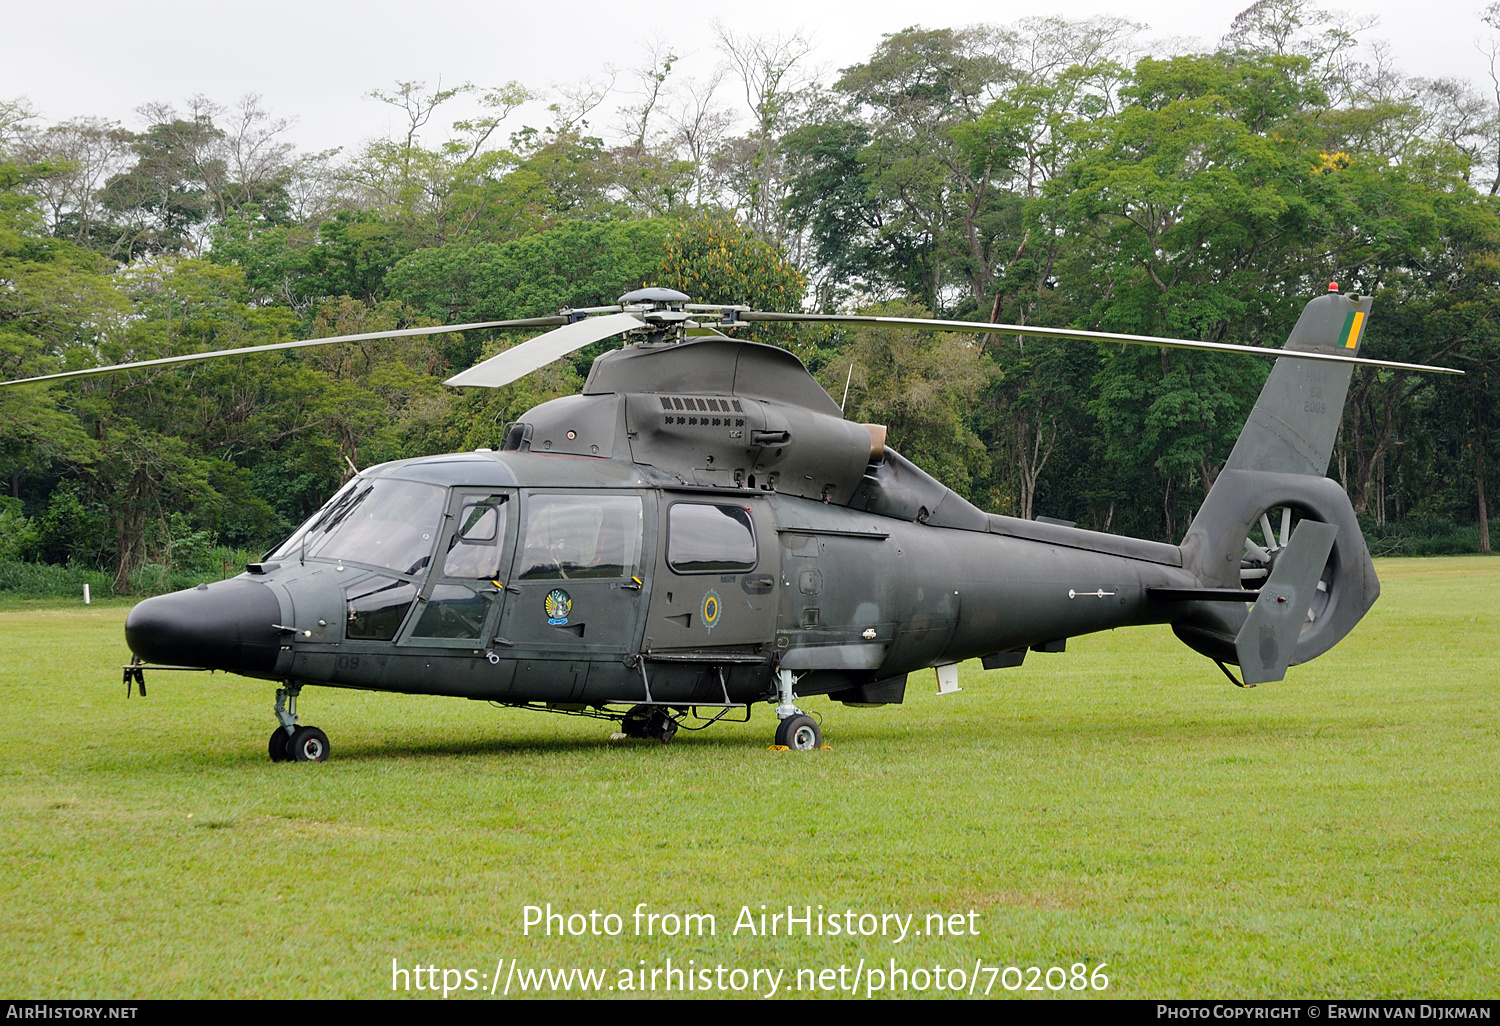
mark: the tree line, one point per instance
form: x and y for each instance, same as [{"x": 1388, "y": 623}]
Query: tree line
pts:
[{"x": 1048, "y": 172}]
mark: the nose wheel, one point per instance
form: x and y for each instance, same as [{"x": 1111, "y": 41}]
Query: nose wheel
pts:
[
  {"x": 308, "y": 744},
  {"x": 293, "y": 742}
]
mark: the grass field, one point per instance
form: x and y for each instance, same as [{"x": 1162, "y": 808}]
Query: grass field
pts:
[{"x": 1332, "y": 835}]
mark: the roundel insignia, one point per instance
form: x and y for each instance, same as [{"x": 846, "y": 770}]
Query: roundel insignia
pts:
[
  {"x": 558, "y": 605},
  {"x": 710, "y": 611}
]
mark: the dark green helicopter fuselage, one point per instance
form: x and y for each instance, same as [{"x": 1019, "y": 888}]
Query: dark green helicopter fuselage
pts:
[
  {"x": 851, "y": 601},
  {"x": 702, "y": 527}
]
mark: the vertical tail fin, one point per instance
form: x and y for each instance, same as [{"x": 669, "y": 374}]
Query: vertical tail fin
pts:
[
  {"x": 1296, "y": 419},
  {"x": 1280, "y": 462}
]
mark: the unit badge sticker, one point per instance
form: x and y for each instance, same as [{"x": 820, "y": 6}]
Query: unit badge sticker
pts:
[
  {"x": 558, "y": 605},
  {"x": 710, "y": 611}
]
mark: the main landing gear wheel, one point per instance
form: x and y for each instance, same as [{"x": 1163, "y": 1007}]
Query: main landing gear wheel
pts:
[
  {"x": 277, "y": 746},
  {"x": 800, "y": 733},
  {"x": 650, "y": 722},
  {"x": 308, "y": 744},
  {"x": 796, "y": 730}
]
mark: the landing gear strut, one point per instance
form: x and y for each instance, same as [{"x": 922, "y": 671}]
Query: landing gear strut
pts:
[
  {"x": 797, "y": 730},
  {"x": 292, "y": 742}
]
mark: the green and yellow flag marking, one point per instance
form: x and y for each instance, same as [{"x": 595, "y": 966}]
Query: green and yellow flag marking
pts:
[{"x": 1353, "y": 324}]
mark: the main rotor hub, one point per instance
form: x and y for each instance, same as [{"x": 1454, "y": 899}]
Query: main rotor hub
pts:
[
  {"x": 655, "y": 299},
  {"x": 661, "y": 311}
]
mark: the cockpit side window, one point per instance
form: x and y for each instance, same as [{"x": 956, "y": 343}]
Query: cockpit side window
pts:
[{"x": 474, "y": 550}]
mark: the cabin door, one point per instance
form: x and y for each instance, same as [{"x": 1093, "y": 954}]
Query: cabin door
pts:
[
  {"x": 576, "y": 585},
  {"x": 715, "y": 582}
]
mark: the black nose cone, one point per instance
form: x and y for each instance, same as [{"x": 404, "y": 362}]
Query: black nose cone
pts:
[{"x": 226, "y": 626}]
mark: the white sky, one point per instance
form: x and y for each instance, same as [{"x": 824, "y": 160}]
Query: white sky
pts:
[{"x": 315, "y": 60}]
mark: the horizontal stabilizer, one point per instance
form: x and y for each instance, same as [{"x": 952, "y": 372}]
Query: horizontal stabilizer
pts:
[{"x": 1268, "y": 639}]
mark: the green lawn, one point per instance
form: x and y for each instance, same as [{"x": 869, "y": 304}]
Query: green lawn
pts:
[{"x": 1331, "y": 835}]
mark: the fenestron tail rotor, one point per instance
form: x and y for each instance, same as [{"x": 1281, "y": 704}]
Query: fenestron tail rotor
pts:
[{"x": 1260, "y": 556}]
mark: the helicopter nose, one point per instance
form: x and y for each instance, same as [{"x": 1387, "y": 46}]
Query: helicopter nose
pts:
[{"x": 222, "y": 626}]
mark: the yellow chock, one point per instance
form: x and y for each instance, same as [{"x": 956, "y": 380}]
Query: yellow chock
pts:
[{"x": 777, "y": 748}]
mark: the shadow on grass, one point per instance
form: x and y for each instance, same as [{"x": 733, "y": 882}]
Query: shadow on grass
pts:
[
  {"x": 916, "y": 734},
  {"x": 437, "y": 747}
]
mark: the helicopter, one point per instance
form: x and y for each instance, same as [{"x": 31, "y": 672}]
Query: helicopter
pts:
[{"x": 700, "y": 531}]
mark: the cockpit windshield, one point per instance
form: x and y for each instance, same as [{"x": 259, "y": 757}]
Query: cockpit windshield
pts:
[{"x": 385, "y": 522}]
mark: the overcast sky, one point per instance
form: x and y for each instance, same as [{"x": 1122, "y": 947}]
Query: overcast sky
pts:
[{"x": 316, "y": 61}]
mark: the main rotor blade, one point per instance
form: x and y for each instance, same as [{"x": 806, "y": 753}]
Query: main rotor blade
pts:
[
  {"x": 1075, "y": 333},
  {"x": 533, "y": 354},
  {"x": 529, "y": 322}
]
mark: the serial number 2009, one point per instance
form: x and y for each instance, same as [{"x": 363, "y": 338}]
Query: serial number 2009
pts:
[{"x": 1053, "y": 978}]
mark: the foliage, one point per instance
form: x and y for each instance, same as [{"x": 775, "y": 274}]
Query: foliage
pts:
[
  {"x": 349, "y": 254},
  {"x": 56, "y": 301},
  {"x": 919, "y": 384},
  {"x": 1431, "y": 537},
  {"x": 18, "y": 535},
  {"x": 714, "y": 259},
  {"x": 1047, "y": 172},
  {"x": 49, "y": 580},
  {"x": 577, "y": 263}
]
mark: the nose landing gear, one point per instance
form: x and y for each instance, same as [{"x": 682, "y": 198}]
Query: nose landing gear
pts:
[{"x": 292, "y": 742}]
